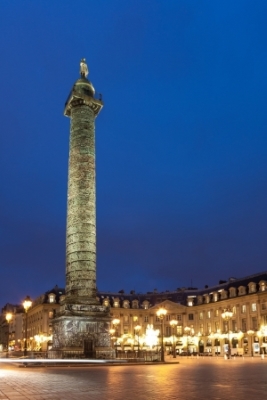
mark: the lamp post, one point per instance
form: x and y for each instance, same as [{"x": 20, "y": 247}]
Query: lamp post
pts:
[
  {"x": 250, "y": 333},
  {"x": 173, "y": 324},
  {"x": 137, "y": 329},
  {"x": 26, "y": 304},
  {"x": 115, "y": 323},
  {"x": 9, "y": 317},
  {"x": 227, "y": 316},
  {"x": 186, "y": 331},
  {"x": 160, "y": 313}
]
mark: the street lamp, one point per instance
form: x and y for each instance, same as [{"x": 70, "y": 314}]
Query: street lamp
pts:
[
  {"x": 250, "y": 333},
  {"x": 137, "y": 329},
  {"x": 115, "y": 323},
  {"x": 26, "y": 304},
  {"x": 173, "y": 324},
  {"x": 227, "y": 316},
  {"x": 186, "y": 331},
  {"x": 9, "y": 317},
  {"x": 160, "y": 313}
]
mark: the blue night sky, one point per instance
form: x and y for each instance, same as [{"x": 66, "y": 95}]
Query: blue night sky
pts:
[{"x": 181, "y": 141}]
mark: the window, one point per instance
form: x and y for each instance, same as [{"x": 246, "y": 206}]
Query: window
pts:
[
  {"x": 126, "y": 304},
  {"x": 146, "y": 318},
  {"x": 126, "y": 318},
  {"x": 145, "y": 304},
  {"x": 125, "y": 330},
  {"x": 244, "y": 325},
  {"x": 179, "y": 330},
  {"x": 263, "y": 286},
  {"x": 254, "y": 323},
  {"x": 208, "y": 314},
  {"x": 168, "y": 317},
  {"x": 252, "y": 288},
  {"x": 243, "y": 308},
  {"x": 201, "y": 315},
  {"x": 51, "y": 314},
  {"x": 263, "y": 306},
  {"x": 253, "y": 307},
  {"x": 190, "y": 302},
  {"x": 217, "y": 313},
  {"x": 179, "y": 317},
  {"x": 135, "y": 304},
  {"x": 201, "y": 328},
  {"x": 217, "y": 326},
  {"x": 209, "y": 327},
  {"x": 51, "y": 298},
  {"x": 234, "y": 326},
  {"x": 234, "y": 310},
  {"x": 215, "y": 296},
  {"x": 157, "y": 319},
  {"x": 191, "y": 317},
  {"x": 168, "y": 331},
  {"x": 232, "y": 292}
]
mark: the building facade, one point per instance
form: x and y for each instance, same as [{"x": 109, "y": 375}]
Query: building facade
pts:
[{"x": 199, "y": 328}]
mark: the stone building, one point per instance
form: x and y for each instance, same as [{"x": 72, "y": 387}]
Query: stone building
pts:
[{"x": 198, "y": 312}]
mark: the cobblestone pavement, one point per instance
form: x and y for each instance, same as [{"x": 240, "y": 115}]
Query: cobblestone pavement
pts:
[{"x": 201, "y": 378}]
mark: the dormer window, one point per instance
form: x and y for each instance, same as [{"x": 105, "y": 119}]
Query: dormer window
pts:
[
  {"x": 145, "y": 304},
  {"x": 215, "y": 296},
  {"x": 241, "y": 290},
  {"x": 135, "y": 304},
  {"x": 252, "y": 287},
  {"x": 126, "y": 304},
  {"x": 51, "y": 298},
  {"x": 232, "y": 292},
  {"x": 199, "y": 299},
  {"x": 106, "y": 302},
  {"x": 262, "y": 286},
  {"x": 116, "y": 302},
  {"x": 207, "y": 298}
]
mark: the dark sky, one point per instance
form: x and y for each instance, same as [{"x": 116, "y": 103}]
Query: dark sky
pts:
[{"x": 181, "y": 141}]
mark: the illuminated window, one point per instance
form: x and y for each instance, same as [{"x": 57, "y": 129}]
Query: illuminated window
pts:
[
  {"x": 263, "y": 286},
  {"x": 253, "y": 307},
  {"x": 51, "y": 298},
  {"x": 179, "y": 330},
  {"x": 208, "y": 314},
  {"x": 201, "y": 328},
  {"x": 126, "y": 304},
  {"x": 145, "y": 304},
  {"x": 51, "y": 314},
  {"x": 201, "y": 315},
  {"x": 252, "y": 287},
  {"x": 217, "y": 313},
  {"x": 243, "y": 308}
]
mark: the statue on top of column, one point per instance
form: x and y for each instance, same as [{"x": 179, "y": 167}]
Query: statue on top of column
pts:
[{"x": 83, "y": 68}]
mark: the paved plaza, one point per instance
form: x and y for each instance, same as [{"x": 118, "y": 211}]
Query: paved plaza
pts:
[{"x": 201, "y": 378}]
